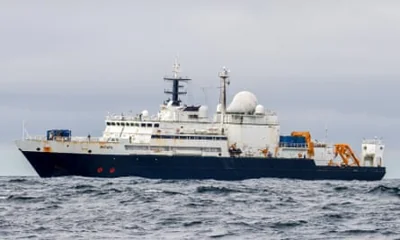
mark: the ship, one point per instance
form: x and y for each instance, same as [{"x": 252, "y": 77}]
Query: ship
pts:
[{"x": 240, "y": 141}]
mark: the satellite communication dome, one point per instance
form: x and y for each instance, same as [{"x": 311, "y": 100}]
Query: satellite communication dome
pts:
[
  {"x": 243, "y": 102},
  {"x": 260, "y": 109},
  {"x": 219, "y": 108},
  {"x": 145, "y": 113},
  {"x": 203, "y": 112}
]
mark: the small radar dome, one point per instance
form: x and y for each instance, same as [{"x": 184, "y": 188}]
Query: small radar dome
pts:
[
  {"x": 243, "y": 102},
  {"x": 203, "y": 112},
  {"x": 219, "y": 108},
  {"x": 145, "y": 113},
  {"x": 260, "y": 109}
]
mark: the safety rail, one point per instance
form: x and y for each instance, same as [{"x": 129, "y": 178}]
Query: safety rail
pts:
[
  {"x": 373, "y": 141},
  {"x": 65, "y": 139},
  {"x": 320, "y": 145},
  {"x": 130, "y": 118},
  {"x": 293, "y": 145}
]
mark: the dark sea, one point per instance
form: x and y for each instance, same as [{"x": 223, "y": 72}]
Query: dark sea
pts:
[{"x": 137, "y": 208}]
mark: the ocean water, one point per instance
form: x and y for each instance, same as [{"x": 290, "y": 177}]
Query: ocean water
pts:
[{"x": 137, "y": 208}]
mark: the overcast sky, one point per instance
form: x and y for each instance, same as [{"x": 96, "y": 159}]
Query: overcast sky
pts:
[{"x": 317, "y": 63}]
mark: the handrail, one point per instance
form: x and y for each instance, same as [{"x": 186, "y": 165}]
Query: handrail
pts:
[
  {"x": 65, "y": 139},
  {"x": 35, "y": 138},
  {"x": 132, "y": 118},
  {"x": 293, "y": 145},
  {"x": 372, "y": 141}
]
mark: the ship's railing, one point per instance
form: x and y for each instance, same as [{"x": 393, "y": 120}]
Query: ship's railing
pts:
[
  {"x": 38, "y": 138},
  {"x": 372, "y": 141},
  {"x": 270, "y": 113},
  {"x": 320, "y": 145},
  {"x": 86, "y": 139},
  {"x": 293, "y": 145},
  {"x": 122, "y": 118},
  {"x": 65, "y": 139},
  {"x": 130, "y": 118}
]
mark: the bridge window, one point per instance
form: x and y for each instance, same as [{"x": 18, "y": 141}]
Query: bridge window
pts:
[
  {"x": 122, "y": 124},
  {"x": 156, "y": 125},
  {"x": 143, "y": 125},
  {"x": 149, "y": 125},
  {"x": 118, "y": 124},
  {"x": 108, "y": 123},
  {"x": 113, "y": 123}
]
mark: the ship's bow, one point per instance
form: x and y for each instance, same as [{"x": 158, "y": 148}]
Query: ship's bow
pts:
[{"x": 42, "y": 161}]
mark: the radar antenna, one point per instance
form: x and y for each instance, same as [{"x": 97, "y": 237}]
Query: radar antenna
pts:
[
  {"x": 176, "y": 79},
  {"x": 176, "y": 68},
  {"x": 326, "y": 132}
]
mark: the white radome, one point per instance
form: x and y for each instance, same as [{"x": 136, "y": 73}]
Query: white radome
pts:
[
  {"x": 145, "y": 113},
  {"x": 243, "y": 102},
  {"x": 219, "y": 108},
  {"x": 260, "y": 109},
  {"x": 203, "y": 112}
]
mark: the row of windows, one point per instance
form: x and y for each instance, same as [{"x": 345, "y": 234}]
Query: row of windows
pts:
[
  {"x": 127, "y": 124},
  {"x": 188, "y": 137}
]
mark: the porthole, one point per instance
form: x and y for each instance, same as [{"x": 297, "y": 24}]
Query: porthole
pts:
[
  {"x": 381, "y": 148},
  {"x": 37, "y": 149},
  {"x": 89, "y": 151},
  {"x": 365, "y": 147}
]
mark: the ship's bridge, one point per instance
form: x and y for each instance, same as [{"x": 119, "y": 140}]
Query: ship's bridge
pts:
[{"x": 170, "y": 119}]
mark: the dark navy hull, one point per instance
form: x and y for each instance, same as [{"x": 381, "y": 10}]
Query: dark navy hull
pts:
[{"x": 192, "y": 167}]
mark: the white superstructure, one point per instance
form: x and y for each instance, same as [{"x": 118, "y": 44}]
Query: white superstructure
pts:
[{"x": 372, "y": 152}]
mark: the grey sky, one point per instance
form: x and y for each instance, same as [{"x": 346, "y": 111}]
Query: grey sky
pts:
[{"x": 66, "y": 63}]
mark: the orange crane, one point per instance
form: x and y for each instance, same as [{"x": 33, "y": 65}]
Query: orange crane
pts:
[
  {"x": 310, "y": 144},
  {"x": 345, "y": 152}
]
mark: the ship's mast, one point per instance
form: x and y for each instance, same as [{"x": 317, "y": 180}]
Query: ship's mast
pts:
[
  {"x": 326, "y": 133},
  {"x": 224, "y": 75},
  {"x": 176, "y": 69},
  {"x": 176, "y": 79}
]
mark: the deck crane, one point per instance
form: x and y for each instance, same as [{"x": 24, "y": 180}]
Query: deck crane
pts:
[
  {"x": 310, "y": 144},
  {"x": 345, "y": 152}
]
